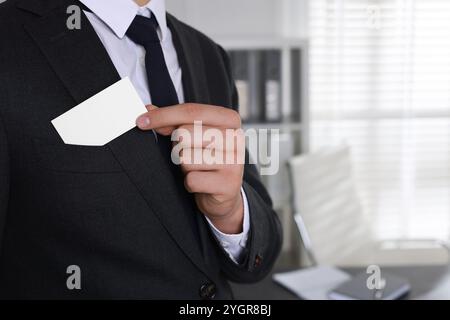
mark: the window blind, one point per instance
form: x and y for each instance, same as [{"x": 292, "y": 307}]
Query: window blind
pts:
[{"x": 380, "y": 83}]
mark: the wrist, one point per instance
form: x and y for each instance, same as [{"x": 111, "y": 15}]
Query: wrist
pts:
[{"x": 232, "y": 222}]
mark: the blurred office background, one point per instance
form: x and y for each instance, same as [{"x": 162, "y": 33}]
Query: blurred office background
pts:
[{"x": 360, "y": 90}]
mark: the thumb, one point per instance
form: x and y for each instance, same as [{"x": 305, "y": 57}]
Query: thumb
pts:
[
  {"x": 163, "y": 131},
  {"x": 151, "y": 107}
]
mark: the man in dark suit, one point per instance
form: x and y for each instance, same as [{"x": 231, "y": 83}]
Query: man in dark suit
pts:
[{"x": 131, "y": 222}]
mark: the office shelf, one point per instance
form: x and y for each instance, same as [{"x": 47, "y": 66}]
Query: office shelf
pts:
[
  {"x": 261, "y": 43},
  {"x": 282, "y": 126}
]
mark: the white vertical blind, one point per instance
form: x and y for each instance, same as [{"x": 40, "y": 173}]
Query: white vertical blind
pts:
[{"x": 380, "y": 82}]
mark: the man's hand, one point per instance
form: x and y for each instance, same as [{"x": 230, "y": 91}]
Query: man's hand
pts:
[{"x": 216, "y": 186}]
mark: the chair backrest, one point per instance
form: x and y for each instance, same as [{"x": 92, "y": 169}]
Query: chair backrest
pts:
[{"x": 326, "y": 203}]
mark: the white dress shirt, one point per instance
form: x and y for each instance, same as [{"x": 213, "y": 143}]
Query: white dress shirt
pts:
[{"x": 111, "y": 19}]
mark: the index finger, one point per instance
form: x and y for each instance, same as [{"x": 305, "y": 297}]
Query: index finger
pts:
[{"x": 174, "y": 116}]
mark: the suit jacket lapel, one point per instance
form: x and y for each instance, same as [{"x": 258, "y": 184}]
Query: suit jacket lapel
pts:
[
  {"x": 189, "y": 55},
  {"x": 83, "y": 65}
]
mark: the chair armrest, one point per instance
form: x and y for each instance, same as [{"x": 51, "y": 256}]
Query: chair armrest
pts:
[{"x": 306, "y": 240}]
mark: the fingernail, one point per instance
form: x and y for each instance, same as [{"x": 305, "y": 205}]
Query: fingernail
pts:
[{"x": 143, "y": 122}]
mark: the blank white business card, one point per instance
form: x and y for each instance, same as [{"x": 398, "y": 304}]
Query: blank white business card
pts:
[{"x": 103, "y": 117}]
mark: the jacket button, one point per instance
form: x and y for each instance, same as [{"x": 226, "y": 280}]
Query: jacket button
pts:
[
  {"x": 258, "y": 261},
  {"x": 208, "y": 291}
]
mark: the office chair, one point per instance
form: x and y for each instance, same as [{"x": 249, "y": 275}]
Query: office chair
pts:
[{"x": 333, "y": 225}]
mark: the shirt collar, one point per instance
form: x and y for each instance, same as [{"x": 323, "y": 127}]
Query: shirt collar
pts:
[{"x": 119, "y": 14}]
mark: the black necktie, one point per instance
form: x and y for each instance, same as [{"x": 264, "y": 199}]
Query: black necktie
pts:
[{"x": 143, "y": 31}]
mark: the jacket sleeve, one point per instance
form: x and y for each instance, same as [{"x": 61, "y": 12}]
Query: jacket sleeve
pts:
[
  {"x": 265, "y": 238},
  {"x": 4, "y": 179}
]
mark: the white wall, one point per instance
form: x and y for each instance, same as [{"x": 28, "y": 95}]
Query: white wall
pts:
[{"x": 243, "y": 18}]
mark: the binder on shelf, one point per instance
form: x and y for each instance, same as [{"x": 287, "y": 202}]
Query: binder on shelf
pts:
[
  {"x": 239, "y": 62},
  {"x": 296, "y": 94},
  {"x": 272, "y": 86},
  {"x": 256, "y": 81}
]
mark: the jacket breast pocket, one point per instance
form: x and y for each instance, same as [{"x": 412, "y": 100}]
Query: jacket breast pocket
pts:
[{"x": 57, "y": 156}]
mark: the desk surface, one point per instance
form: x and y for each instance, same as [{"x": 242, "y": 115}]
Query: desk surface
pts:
[{"x": 422, "y": 278}]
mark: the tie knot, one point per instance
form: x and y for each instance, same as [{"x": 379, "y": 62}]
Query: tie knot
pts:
[{"x": 143, "y": 31}]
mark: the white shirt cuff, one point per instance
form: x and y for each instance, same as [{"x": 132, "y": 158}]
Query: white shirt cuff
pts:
[{"x": 234, "y": 244}]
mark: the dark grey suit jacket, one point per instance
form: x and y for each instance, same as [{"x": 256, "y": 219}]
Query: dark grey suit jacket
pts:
[{"x": 118, "y": 211}]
